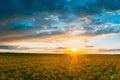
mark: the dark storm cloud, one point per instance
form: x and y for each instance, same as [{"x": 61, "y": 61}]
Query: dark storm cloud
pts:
[{"x": 22, "y": 19}]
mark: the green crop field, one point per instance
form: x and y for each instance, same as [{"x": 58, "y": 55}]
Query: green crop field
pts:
[{"x": 59, "y": 67}]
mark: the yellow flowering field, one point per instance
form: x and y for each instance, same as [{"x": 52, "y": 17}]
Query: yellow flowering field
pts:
[{"x": 59, "y": 67}]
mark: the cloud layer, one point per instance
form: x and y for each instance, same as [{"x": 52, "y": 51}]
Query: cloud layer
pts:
[{"x": 32, "y": 19}]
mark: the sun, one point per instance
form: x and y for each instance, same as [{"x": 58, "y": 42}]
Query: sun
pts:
[{"x": 74, "y": 50}]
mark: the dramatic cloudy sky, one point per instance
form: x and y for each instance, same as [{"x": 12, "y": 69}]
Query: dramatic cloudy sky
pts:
[{"x": 52, "y": 26}]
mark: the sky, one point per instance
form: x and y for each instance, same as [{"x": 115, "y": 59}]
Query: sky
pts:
[{"x": 53, "y": 26}]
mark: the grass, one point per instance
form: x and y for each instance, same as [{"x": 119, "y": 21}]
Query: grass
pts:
[{"x": 59, "y": 67}]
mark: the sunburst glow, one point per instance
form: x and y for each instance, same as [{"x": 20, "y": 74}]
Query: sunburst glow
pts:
[{"x": 74, "y": 50}]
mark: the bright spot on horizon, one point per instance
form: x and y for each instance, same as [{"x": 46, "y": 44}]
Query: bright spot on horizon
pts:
[{"x": 74, "y": 50}]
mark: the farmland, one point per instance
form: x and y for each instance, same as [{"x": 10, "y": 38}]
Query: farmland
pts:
[{"x": 59, "y": 67}]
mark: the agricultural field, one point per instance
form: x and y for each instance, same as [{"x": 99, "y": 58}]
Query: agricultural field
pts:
[{"x": 59, "y": 67}]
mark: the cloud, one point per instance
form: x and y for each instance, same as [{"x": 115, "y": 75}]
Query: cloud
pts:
[
  {"x": 12, "y": 47},
  {"x": 32, "y": 19},
  {"x": 6, "y": 47},
  {"x": 103, "y": 29},
  {"x": 109, "y": 50},
  {"x": 32, "y": 47},
  {"x": 55, "y": 25},
  {"x": 89, "y": 46},
  {"x": 26, "y": 7},
  {"x": 61, "y": 48}
]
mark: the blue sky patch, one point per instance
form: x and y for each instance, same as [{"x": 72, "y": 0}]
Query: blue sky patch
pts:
[{"x": 23, "y": 23}]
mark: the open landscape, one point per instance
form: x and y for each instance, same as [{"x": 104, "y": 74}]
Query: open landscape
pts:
[
  {"x": 59, "y": 39},
  {"x": 59, "y": 67}
]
